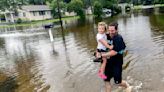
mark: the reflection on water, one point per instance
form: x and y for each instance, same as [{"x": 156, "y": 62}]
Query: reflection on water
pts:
[
  {"x": 30, "y": 62},
  {"x": 157, "y": 22},
  {"x": 161, "y": 9}
]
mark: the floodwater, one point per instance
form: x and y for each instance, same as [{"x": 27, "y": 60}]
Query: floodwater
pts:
[{"x": 31, "y": 61}]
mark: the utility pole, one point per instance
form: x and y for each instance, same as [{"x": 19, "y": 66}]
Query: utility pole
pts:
[
  {"x": 91, "y": 6},
  {"x": 59, "y": 14}
]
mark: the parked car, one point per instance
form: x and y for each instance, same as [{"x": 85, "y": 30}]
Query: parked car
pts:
[{"x": 107, "y": 12}]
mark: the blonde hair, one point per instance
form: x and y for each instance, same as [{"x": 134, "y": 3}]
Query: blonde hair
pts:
[{"x": 103, "y": 24}]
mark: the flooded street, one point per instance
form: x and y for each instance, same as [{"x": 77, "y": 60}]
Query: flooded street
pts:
[{"x": 30, "y": 62}]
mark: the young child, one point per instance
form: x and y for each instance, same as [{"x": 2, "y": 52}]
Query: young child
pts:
[{"x": 102, "y": 46}]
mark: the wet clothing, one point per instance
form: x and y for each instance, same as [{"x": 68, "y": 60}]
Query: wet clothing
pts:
[{"x": 114, "y": 64}]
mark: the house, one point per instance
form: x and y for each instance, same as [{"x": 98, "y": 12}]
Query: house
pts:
[
  {"x": 123, "y": 7},
  {"x": 29, "y": 13},
  {"x": 34, "y": 12}
]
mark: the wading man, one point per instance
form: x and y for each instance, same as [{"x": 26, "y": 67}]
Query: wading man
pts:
[{"x": 114, "y": 64}]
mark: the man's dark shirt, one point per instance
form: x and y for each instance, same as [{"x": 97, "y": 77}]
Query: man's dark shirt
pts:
[{"x": 118, "y": 45}]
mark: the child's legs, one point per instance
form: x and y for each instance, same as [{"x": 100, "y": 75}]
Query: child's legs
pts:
[{"x": 103, "y": 65}]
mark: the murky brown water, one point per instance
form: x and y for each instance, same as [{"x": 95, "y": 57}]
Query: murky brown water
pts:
[{"x": 30, "y": 62}]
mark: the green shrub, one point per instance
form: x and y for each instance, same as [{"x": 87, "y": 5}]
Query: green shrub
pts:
[
  {"x": 19, "y": 20},
  {"x": 97, "y": 9},
  {"x": 116, "y": 10}
]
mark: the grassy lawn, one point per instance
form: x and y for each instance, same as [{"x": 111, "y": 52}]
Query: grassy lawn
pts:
[
  {"x": 140, "y": 6},
  {"x": 39, "y": 22},
  {"x": 159, "y": 5}
]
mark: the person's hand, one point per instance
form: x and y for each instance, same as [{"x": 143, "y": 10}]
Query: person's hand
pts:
[
  {"x": 98, "y": 55},
  {"x": 111, "y": 47}
]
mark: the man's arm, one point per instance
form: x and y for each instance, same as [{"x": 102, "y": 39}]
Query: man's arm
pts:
[
  {"x": 109, "y": 54},
  {"x": 105, "y": 43},
  {"x": 118, "y": 45}
]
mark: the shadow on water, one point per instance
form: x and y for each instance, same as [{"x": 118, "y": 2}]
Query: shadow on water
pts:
[
  {"x": 157, "y": 22},
  {"x": 161, "y": 9},
  {"x": 2, "y": 42},
  {"x": 9, "y": 83},
  {"x": 69, "y": 71},
  {"x": 147, "y": 12},
  {"x": 63, "y": 32}
]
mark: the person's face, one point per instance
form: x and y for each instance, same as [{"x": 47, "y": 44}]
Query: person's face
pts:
[
  {"x": 112, "y": 30},
  {"x": 101, "y": 29}
]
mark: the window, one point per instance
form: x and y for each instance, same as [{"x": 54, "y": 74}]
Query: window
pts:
[
  {"x": 34, "y": 13},
  {"x": 16, "y": 14},
  {"x": 48, "y": 13},
  {"x": 41, "y": 12},
  {"x": 24, "y": 14}
]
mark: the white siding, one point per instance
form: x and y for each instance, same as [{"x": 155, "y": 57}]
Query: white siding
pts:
[
  {"x": 70, "y": 14},
  {"x": 28, "y": 15},
  {"x": 37, "y": 16}
]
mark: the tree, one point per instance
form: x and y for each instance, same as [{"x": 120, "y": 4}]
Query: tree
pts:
[
  {"x": 87, "y": 3},
  {"x": 76, "y": 6},
  {"x": 54, "y": 7},
  {"x": 67, "y": 1},
  {"x": 11, "y": 5},
  {"x": 97, "y": 9},
  {"x": 37, "y": 2},
  {"x": 159, "y": 1}
]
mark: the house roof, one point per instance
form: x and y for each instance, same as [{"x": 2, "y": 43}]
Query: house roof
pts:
[{"x": 35, "y": 7}]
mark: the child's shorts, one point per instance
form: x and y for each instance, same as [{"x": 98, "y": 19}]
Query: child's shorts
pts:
[{"x": 101, "y": 50}]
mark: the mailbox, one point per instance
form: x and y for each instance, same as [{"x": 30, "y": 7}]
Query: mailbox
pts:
[{"x": 48, "y": 26}]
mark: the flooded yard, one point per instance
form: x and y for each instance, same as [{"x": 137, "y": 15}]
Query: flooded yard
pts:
[{"x": 30, "y": 62}]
